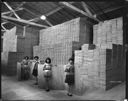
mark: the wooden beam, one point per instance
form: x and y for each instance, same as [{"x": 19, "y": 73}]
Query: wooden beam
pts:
[
  {"x": 47, "y": 14},
  {"x": 4, "y": 23},
  {"x": 30, "y": 12},
  {"x": 18, "y": 7},
  {"x": 53, "y": 11},
  {"x": 113, "y": 9},
  {"x": 21, "y": 5},
  {"x": 24, "y": 21},
  {"x": 10, "y": 8},
  {"x": 78, "y": 10},
  {"x": 85, "y": 6},
  {"x": 24, "y": 30},
  {"x": 48, "y": 22},
  {"x": 11, "y": 11},
  {"x": 14, "y": 23},
  {"x": 3, "y": 31},
  {"x": 3, "y": 27}
]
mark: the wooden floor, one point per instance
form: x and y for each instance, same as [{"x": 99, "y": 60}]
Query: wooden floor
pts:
[{"x": 26, "y": 90}]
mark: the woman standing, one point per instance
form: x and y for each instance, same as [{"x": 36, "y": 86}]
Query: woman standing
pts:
[
  {"x": 47, "y": 72},
  {"x": 69, "y": 69},
  {"x": 35, "y": 69},
  {"x": 25, "y": 68}
]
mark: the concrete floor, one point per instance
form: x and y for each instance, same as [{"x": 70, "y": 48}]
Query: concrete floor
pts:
[{"x": 26, "y": 90}]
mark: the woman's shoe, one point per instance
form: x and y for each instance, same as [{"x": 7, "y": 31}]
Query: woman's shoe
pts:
[
  {"x": 36, "y": 83},
  {"x": 69, "y": 94},
  {"x": 47, "y": 90}
]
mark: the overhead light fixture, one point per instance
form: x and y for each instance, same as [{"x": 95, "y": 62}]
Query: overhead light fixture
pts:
[{"x": 43, "y": 17}]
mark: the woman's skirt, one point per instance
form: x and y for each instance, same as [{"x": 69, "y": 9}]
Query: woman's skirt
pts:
[
  {"x": 69, "y": 79},
  {"x": 35, "y": 72},
  {"x": 47, "y": 73},
  {"x": 25, "y": 72}
]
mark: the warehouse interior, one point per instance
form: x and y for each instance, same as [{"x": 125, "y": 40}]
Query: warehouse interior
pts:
[{"x": 94, "y": 33}]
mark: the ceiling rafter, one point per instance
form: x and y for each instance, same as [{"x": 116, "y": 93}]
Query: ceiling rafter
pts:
[
  {"x": 47, "y": 14},
  {"x": 112, "y": 9},
  {"x": 78, "y": 10},
  {"x": 88, "y": 10},
  {"x": 30, "y": 12},
  {"x": 48, "y": 22},
  {"x": 100, "y": 10},
  {"x": 24, "y": 21},
  {"x": 50, "y": 13},
  {"x": 11, "y": 11},
  {"x": 3, "y": 31},
  {"x": 12, "y": 23},
  {"x": 3, "y": 27},
  {"x": 85, "y": 6},
  {"x": 10, "y": 8},
  {"x": 4, "y": 23},
  {"x": 22, "y": 3}
]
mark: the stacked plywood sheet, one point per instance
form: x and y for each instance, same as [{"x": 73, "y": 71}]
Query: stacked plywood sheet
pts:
[
  {"x": 102, "y": 64},
  {"x": 59, "y": 53},
  {"x": 109, "y": 35},
  {"x": 78, "y": 30},
  {"x": 109, "y": 32},
  {"x": 78, "y": 71},
  {"x": 13, "y": 58},
  {"x": 59, "y": 43},
  {"x": 10, "y": 40},
  {"x": 14, "y": 41},
  {"x": 98, "y": 67}
]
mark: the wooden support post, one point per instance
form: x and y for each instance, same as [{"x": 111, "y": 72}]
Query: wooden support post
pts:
[{"x": 24, "y": 30}]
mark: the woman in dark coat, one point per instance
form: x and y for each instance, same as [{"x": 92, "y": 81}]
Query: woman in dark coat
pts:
[
  {"x": 69, "y": 79},
  {"x": 47, "y": 72},
  {"x": 35, "y": 69}
]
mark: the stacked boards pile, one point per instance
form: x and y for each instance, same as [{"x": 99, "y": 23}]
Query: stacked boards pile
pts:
[
  {"x": 59, "y": 43},
  {"x": 16, "y": 45},
  {"x": 101, "y": 64}
]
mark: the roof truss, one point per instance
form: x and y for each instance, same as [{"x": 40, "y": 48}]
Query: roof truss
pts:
[
  {"x": 10, "y": 8},
  {"x": 24, "y": 21},
  {"x": 78, "y": 10}
]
